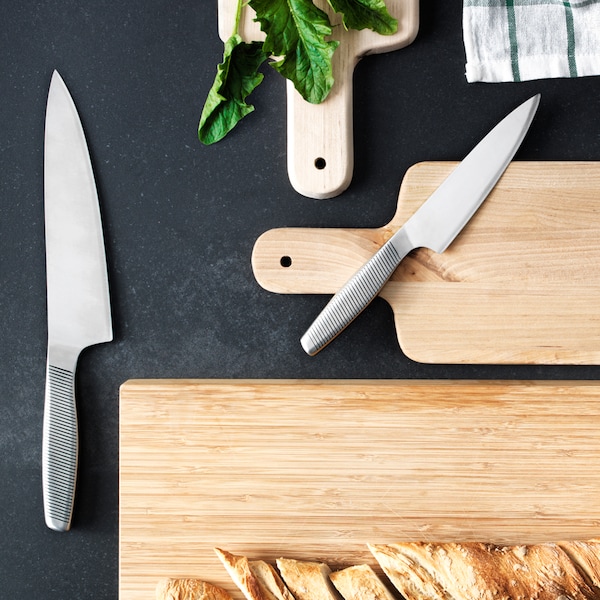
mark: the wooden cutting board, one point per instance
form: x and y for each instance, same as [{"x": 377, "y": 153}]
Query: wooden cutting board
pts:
[
  {"x": 320, "y": 155},
  {"x": 316, "y": 469},
  {"x": 520, "y": 284}
]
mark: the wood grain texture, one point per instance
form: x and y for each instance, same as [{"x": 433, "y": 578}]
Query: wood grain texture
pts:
[
  {"x": 316, "y": 469},
  {"x": 323, "y": 133},
  {"x": 520, "y": 284}
]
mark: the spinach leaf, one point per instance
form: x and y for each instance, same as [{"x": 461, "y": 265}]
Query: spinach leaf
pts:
[
  {"x": 366, "y": 14},
  {"x": 237, "y": 76},
  {"x": 296, "y": 31}
]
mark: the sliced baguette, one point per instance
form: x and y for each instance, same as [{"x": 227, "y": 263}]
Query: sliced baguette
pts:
[
  {"x": 360, "y": 583},
  {"x": 189, "y": 589},
  {"x": 270, "y": 583},
  {"x": 256, "y": 579},
  {"x": 307, "y": 580},
  {"x": 239, "y": 570},
  {"x": 473, "y": 571}
]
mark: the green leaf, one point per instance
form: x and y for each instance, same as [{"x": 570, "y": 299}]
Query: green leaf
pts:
[
  {"x": 366, "y": 14},
  {"x": 296, "y": 31},
  {"x": 237, "y": 76}
]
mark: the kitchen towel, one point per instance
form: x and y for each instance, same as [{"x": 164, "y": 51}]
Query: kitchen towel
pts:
[{"x": 518, "y": 40}]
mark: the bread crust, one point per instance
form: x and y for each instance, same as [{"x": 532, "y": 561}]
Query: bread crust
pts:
[
  {"x": 307, "y": 580},
  {"x": 360, "y": 582},
  {"x": 477, "y": 571},
  {"x": 189, "y": 589},
  {"x": 586, "y": 555}
]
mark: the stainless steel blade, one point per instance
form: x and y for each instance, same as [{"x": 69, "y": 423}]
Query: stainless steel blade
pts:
[
  {"x": 77, "y": 292},
  {"x": 442, "y": 217},
  {"x": 434, "y": 225}
]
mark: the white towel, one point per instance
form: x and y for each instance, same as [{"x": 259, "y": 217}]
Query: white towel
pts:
[{"x": 518, "y": 40}]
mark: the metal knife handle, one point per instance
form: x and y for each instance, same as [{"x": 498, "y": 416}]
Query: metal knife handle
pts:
[
  {"x": 59, "y": 447},
  {"x": 356, "y": 294}
]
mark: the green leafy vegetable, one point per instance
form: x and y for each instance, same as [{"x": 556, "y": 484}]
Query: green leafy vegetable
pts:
[
  {"x": 366, "y": 14},
  {"x": 296, "y": 30},
  {"x": 237, "y": 76}
]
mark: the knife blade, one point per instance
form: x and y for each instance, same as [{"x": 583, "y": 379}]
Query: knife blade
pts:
[
  {"x": 434, "y": 225},
  {"x": 77, "y": 293}
]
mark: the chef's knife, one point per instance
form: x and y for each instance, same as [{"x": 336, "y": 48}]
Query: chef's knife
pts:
[
  {"x": 77, "y": 291},
  {"x": 434, "y": 225}
]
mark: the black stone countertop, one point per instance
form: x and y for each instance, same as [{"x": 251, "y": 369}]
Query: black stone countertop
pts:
[{"x": 180, "y": 221}]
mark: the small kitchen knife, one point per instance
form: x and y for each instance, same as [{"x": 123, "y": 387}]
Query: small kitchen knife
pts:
[
  {"x": 434, "y": 225},
  {"x": 77, "y": 291}
]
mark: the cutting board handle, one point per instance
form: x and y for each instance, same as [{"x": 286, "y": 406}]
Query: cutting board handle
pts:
[
  {"x": 298, "y": 260},
  {"x": 320, "y": 136}
]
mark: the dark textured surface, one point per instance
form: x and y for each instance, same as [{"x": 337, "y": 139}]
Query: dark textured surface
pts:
[{"x": 180, "y": 221}]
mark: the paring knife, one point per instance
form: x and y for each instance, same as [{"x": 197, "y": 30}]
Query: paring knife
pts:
[
  {"x": 77, "y": 291},
  {"x": 434, "y": 225}
]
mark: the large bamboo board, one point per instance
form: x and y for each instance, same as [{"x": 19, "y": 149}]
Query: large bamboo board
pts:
[
  {"x": 520, "y": 284},
  {"x": 315, "y": 469}
]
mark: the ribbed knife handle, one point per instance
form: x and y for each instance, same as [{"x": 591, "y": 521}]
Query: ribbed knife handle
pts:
[
  {"x": 59, "y": 447},
  {"x": 355, "y": 296}
]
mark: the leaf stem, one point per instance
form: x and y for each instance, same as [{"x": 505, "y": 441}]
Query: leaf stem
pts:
[{"x": 238, "y": 17}]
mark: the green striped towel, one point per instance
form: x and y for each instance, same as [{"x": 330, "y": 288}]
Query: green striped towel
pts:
[{"x": 518, "y": 40}]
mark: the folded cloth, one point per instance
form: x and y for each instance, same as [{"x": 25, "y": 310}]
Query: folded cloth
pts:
[{"x": 517, "y": 40}]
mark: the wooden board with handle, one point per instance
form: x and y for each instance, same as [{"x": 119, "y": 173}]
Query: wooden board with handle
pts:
[
  {"x": 320, "y": 136},
  {"x": 315, "y": 469},
  {"x": 520, "y": 284}
]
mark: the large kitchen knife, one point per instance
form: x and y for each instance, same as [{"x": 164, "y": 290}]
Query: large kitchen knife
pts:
[
  {"x": 434, "y": 225},
  {"x": 77, "y": 288}
]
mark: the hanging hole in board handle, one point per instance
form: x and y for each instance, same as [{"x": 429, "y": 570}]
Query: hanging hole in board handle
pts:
[
  {"x": 320, "y": 163},
  {"x": 285, "y": 261}
]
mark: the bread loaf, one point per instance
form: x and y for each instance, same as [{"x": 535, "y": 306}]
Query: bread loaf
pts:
[
  {"x": 419, "y": 571},
  {"x": 189, "y": 589},
  {"x": 477, "y": 571}
]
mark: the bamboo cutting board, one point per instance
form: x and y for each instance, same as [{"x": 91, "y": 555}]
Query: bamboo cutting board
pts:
[
  {"x": 520, "y": 284},
  {"x": 316, "y": 469},
  {"x": 320, "y": 157}
]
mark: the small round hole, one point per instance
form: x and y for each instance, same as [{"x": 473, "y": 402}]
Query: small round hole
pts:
[
  {"x": 320, "y": 163},
  {"x": 285, "y": 261}
]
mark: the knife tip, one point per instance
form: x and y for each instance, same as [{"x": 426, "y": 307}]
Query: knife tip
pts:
[
  {"x": 534, "y": 100},
  {"x": 56, "y": 77}
]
